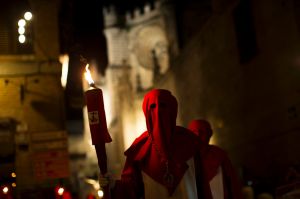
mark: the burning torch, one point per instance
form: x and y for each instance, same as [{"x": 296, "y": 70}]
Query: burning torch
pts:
[{"x": 97, "y": 121}]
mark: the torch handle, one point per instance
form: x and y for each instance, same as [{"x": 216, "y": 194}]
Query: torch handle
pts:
[
  {"x": 102, "y": 158},
  {"x": 102, "y": 163},
  {"x": 106, "y": 192}
]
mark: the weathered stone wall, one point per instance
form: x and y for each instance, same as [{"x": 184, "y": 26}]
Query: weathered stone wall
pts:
[
  {"x": 209, "y": 78},
  {"x": 45, "y": 25},
  {"x": 253, "y": 107},
  {"x": 40, "y": 107},
  {"x": 271, "y": 94},
  {"x": 31, "y": 92}
]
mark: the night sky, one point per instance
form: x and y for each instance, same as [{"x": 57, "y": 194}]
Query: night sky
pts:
[{"x": 81, "y": 29}]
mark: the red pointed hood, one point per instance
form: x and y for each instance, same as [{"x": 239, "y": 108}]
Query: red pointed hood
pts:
[
  {"x": 202, "y": 129},
  {"x": 214, "y": 157},
  {"x": 160, "y": 109},
  {"x": 162, "y": 151}
]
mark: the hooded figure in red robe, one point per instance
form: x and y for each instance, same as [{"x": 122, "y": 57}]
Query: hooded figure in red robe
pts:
[
  {"x": 159, "y": 163},
  {"x": 217, "y": 167}
]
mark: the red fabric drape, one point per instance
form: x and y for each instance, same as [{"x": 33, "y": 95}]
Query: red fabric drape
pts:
[{"x": 213, "y": 157}]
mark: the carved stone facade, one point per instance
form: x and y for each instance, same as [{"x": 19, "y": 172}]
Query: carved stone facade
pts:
[
  {"x": 141, "y": 46},
  {"x": 146, "y": 40}
]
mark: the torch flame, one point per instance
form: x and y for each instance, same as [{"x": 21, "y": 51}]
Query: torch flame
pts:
[{"x": 88, "y": 75}]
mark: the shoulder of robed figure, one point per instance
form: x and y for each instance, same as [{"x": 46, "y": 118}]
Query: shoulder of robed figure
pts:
[
  {"x": 217, "y": 151},
  {"x": 141, "y": 139},
  {"x": 137, "y": 143},
  {"x": 185, "y": 131},
  {"x": 186, "y": 137}
]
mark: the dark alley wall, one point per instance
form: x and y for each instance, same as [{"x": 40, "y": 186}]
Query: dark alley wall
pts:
[{"x": 253, "y": 105}]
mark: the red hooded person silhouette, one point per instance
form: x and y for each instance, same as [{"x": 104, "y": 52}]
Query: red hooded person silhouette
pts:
[
  {"x": 218, "y": 170},
  {"x": 160, "y": 163}
]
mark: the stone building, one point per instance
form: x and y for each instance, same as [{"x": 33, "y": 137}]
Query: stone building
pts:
[
  {"x": 140, "y": 46},
  {"x": 237, "y": 66},
  {"x": 31, "y": 100}
]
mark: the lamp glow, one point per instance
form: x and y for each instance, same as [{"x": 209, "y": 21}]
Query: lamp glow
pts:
[
  {"x": 21, "y": 23},
  {"x": 5, "y": 190},
  {"x": 21, "y": 30},
  {"x": 28, "y": 16},
  {"x": 60, "y": 191},
  {"x": 64, "y": 60},
  {"x": 100, "y": 193},
  {"x": 22, "y": 39},
  {"x": 13, "y": 174}
]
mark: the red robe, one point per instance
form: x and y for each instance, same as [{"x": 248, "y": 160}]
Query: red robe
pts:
[
  {"x": 161, "y": 152},
  {"x": 213, "y": 157}
]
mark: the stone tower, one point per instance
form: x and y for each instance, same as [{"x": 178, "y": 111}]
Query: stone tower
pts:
[{"x": 141, "y": 46}]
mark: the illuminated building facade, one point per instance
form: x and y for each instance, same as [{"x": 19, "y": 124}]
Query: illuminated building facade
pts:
[
  {"x": 31, "y": 99},
  {"x": 238, "y": 67}
]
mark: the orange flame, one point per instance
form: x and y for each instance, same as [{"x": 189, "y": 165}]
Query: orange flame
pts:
[{"x": 88, "y": 75}]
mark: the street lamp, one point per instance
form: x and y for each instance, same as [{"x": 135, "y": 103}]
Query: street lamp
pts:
[
  {"x": 21, "y": 30},
  {"x": 21, "y": 23},
  {"x": 13, "y": 174},
  {"x": 22, "y": 39},
  {"x": 22, "y": 27},
  {"x": 28, "y": 16}
]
